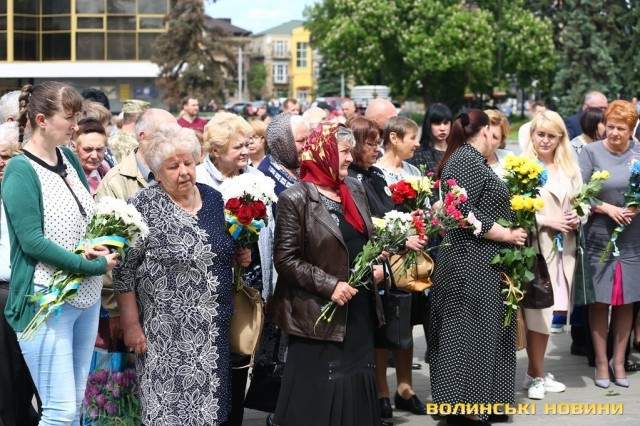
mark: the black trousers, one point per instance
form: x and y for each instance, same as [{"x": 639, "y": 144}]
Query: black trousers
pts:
[
  {"x": 239, "y": 378},
  {"x": 16, "y": 387}
]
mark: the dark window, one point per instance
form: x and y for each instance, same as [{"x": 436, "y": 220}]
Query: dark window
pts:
[
  {"x": 56, "y": 23},
  {"x": 25, "y": 23},
  {"x": 121, "y": 46},
  {"x": 146, "y": 44},
  {"x": 56, "y": 47},
  {"x": 3, "y": 22},
  {"x": 50, "y": 7},
  {"x": 121, "y": 6},
  {"x": 90, "y": 23},
  {"x": 25, "y": 6},
  {"x": 25, "y": 47},
  {"x": 90, "y": 46},
  {"x": 3, "y": 6},
  {"x": 121, "y": 22},
  {"x": 152, "y": 6},
  {"x": 151, "y": 23},
  {"x": 3, "y": 46},
  {"x": 90, "y": 6}
]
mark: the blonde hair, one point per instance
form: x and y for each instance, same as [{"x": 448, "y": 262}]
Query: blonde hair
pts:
[
  {"x": 496, "y": 118},
  {"x": 259, "y": 128},
  {"x": 221, "y": 129},
  {"x": 96, "y": 110},
  {"x": 563, "y": 156}
]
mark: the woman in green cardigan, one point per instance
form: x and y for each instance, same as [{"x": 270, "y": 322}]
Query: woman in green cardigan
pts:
[{"x": 48, "y": 207}]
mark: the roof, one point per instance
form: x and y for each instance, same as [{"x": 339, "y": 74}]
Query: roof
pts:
[
  {"x": 225, "y": 26},
  {"x": 282, "y": 29}
]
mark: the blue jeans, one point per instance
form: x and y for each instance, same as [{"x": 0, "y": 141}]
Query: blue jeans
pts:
[{"x": 58, "y": 357}]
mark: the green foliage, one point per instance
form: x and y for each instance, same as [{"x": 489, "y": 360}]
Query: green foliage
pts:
[
  {"x": 192, "y": 60},
  {"x": 257, "y": 79},
  {"x": 436, "y": 49}
]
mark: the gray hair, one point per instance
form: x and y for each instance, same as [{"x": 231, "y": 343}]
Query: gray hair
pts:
[
  {"x": 165, "y": 141},
  {"x": 151, "y": 119},
  {"x": 9, "y": 133},
  {"x": 9, "y": 106}
]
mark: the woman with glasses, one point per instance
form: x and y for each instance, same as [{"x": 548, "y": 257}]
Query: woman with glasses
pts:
[
  {"x": 257, "y": 142},
  {"x": 226, "y": 138},
  {"x": 48, "y": 207}
]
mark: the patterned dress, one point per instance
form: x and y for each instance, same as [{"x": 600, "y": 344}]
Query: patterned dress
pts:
[
  {"x": 181, "y": 274},
  {"x": 472, "y": 356}
]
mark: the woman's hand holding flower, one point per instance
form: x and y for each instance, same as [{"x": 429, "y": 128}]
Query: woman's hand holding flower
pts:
[
  {"x": 378, "y": 274},
  {"x": 243, "y": 257},
  {"x": 343, "y": 293},
  {"x": 517, "y": 236},
  {"x": 415, "y": 243}
]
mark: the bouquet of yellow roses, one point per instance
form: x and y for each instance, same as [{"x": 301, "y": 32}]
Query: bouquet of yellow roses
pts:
[{"x": 524, "y": 177}]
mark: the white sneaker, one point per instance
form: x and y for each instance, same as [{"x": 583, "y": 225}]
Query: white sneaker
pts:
[
  {"x": 557, "y": 328},
  {"x": 553, "y": 386},
  {"x": 536, "y": 388}
]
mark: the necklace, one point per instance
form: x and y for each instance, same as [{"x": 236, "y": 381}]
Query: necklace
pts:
[{"x": 196, "y": 205}]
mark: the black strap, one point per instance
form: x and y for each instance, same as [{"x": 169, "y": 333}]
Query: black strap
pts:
[{"x": 61, "y": 170}]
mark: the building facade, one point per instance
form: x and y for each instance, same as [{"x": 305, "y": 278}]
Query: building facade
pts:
[{"x": 287, "y": 55}]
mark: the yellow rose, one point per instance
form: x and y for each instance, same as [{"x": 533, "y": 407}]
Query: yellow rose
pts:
[
  {"x": 516, "y": 203},
  {"x": 538, "y": 204},
  {"x": 528, "y": 203}
]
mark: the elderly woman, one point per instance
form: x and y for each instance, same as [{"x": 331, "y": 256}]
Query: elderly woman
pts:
[
  {"x": 499, "y": 126},
  {"x": 286, "y": 135},
  {"x": 556, "y": 237},
  {"x": 91, "y": 147},
  {"x": 329, "y": 377},
  {"x": 614, "y": 280},
  {"x": 181, "y": 277},
  {"x": 257, "y": 142},
  {"x": 227, "y": 138}
]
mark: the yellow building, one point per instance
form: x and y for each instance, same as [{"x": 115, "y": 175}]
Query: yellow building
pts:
[{"x": 302, "y": 81}]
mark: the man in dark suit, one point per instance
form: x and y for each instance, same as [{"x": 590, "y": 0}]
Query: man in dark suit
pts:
[{"x": 593, "y": 99}]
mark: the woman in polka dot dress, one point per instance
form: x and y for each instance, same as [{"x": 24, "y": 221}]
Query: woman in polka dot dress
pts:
[{"x": 472, "y": 355}]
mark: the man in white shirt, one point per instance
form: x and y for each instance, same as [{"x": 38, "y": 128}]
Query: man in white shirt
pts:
[{"x": 17, "y": 389}]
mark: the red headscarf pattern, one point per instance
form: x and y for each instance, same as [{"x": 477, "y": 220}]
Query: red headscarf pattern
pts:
[{"x": 319, "y": 165}]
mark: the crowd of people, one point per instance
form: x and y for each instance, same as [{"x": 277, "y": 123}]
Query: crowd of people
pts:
[{"x": 166, "y": 308}]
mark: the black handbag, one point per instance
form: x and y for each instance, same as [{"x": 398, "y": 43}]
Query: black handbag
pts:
[
  {"x": 539, "y": 292},
  {"x": 266, "y": 378},
  {"x": 396, "y": 304}
]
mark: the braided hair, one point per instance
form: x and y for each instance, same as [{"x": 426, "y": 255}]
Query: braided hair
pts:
[{"x": 47, "y": 98}]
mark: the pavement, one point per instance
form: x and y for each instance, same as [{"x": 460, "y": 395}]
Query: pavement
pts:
[{"x": 568, "y": 369}]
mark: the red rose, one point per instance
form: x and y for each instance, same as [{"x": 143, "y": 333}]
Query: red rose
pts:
[
  {"x": 245, "y": 214},
  {"x": 436, "y": 184},
  {"x": 259, "y": 209},
  {"x": 233, "y": 204},
  {"x": 451, "y": 182}
]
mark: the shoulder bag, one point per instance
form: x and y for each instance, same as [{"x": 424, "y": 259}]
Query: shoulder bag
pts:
[{"x": 539, "y": 292}]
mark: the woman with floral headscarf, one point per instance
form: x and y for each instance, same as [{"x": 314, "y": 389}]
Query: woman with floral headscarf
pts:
[{"x": 329, "y": 376}]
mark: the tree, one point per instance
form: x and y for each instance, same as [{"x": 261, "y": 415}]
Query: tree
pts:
[
  {"x": 435, "y": 49},
  {"x": 192, "y": 60},
  {"x": 328, "y": 80},
  {"x": 593, "y": 43},
  {"x": 257, "y": 79}
]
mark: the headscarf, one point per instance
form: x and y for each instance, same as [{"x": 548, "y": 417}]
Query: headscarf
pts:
[
  {"x": 282, "y": 145},
  {"x": 320, "y": 166}
]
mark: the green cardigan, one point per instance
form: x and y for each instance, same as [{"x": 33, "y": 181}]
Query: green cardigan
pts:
[{"x": 22, "y": 199}]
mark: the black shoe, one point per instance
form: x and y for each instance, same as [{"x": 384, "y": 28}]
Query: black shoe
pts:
[
  {"x": 498, "y": 418},
  {"x": 270, "y": 420},
  {"x": 386, "y": 423},
  {"x": 386, "y": 412},
  {"x": 426, "y": 357},
  {"x": 413, "y": 404},
  {"x": 578, "y": 350}
]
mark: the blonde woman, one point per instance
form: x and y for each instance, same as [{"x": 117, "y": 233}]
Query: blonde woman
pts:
[
  {"x": 226, "y": 139},
  {"x": 499, "y": 126},
  {"x": 556, "y": 223}
]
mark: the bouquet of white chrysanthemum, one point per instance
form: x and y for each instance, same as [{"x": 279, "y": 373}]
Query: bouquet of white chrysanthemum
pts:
[
  {"x": 246, "y": 198},
  {"x": 116, "y": 225}
]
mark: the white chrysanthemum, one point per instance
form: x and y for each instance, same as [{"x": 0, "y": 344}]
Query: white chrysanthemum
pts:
[
  {"x": 109, "y": 206},
  {"x": 247, "y": 184}
]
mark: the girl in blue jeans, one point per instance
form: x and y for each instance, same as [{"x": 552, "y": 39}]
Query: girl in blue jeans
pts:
[{"x": 48, "y": 207}]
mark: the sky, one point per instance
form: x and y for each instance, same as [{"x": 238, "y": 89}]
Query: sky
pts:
[{"x": 258, "y": 15}]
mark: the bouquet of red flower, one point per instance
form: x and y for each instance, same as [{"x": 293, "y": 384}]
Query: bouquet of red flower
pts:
[
  {"x": 246, "y": 199},
  {"x": 412, "y": 192}
]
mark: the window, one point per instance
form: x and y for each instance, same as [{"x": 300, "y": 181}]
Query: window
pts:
[
  {"x": 3, "y": 46},
  {"x": 90, "y": 6},
  {"x": 90, "y": 46},
  {"x": 301, "y": 55},
  {"x": 56, "y": 23},
  {"x": 121, "y": 6},
  {"x": 152, "y": 6},
  {"x": 25, "y": 6},
  {"x": 56, "y": 47},
  {"x": 146, "y": 44},
  {"x": 51, "y": 7},
  {"x": 280, "y": 72},
  {"x": 91, "y": 23},
  {"x": 151, "y": 23},
  {"x": 25, "y": 23},
  {"x": 121, "y": 23},
  {"x": 121, "y": 46},
  {"x": 25, "y": 46},
  {"x": 280, "y": 49}
]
